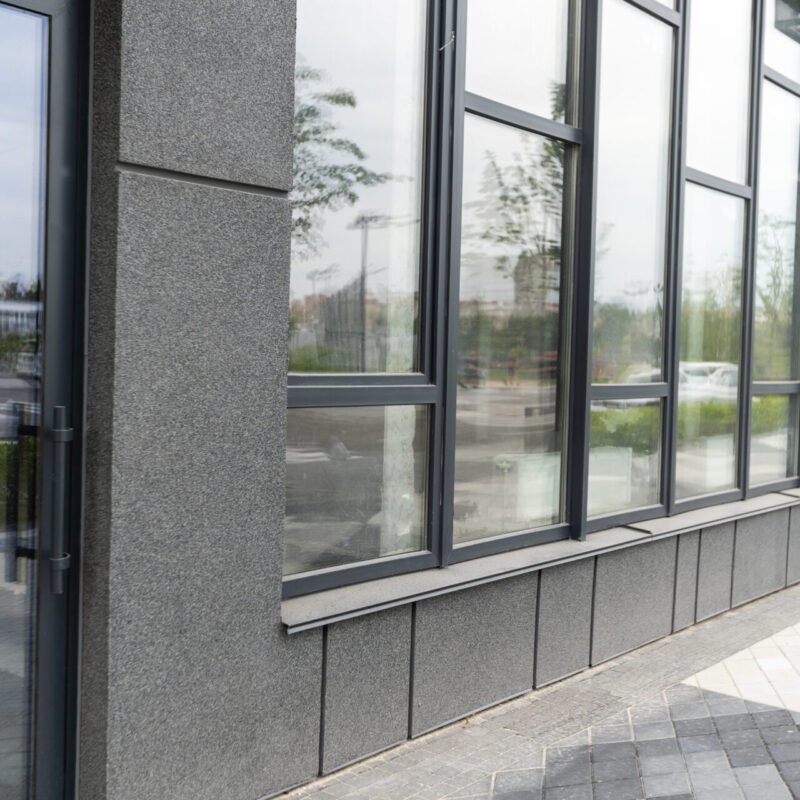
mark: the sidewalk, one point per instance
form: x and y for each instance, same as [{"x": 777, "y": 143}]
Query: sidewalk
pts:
[{"x": 709, "y": 713}]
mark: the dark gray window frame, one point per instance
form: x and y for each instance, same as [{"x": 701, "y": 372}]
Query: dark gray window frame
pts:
[{"x": 435, "y": 384}]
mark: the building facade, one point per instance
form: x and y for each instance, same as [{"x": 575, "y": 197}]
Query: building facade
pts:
[{"x": 369, "y": 364}]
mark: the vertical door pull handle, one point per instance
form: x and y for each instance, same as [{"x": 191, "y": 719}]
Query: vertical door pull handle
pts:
[{"x": 59, "y": 560}]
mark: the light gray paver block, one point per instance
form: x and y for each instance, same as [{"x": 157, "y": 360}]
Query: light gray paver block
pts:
[
  {"x": 207, "y": 88},
  {"x": 686, "y": 580},
  {"x": 472, "y": 648},
  {"x": 366, "y": 697},
  {"x": 633, "y": 598},
  {"x": 760, "y": 555},
  {"x": 714, "y": 570},
  {"x": 562, "y": 635}
]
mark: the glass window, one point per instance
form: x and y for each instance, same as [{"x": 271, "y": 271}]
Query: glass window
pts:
[
  {"x": 517, "y": 54},
  {"x": 632, "y": 194},
  {"x": 624, "y": 455},
  {"x": 776, "y": 336},
  {"x": 509, "y": 423},
  {"x": 710, "y": 336},
  {"x": 357, "y": 194},
  {"x": 355, "y": 484},
  {"x": 782, "y": 37},
  {"x": 719, "y": 87},
  {"x": 773, "y": 438}
]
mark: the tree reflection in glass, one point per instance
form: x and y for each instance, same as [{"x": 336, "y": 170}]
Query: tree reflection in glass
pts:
[
  {"x": 632, "y": 192},
  {"x": 711, "y": 324},
  {"x": 776, "y": 337},
  {"x": 509, "y": 427},
  {"x": 357, "y": 194}
]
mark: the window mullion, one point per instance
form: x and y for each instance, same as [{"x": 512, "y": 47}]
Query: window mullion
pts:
[
  {"x": 582, "y": 299},
  {"x": 675, "y": 257},
  {"x": 748, "y": 284}
]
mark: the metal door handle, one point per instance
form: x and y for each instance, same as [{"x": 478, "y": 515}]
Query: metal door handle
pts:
[{"x": 59, "y": 560}]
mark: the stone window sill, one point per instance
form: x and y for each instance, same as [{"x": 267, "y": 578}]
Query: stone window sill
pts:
[{"x": 334, "y": 605}]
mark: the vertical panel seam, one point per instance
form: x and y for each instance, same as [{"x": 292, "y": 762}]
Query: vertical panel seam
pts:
[
  {"x": 679, "y": 539},
  {"x": 536, "y": 627},
  {"x": 700, "y": 536},
  {"x": 411, "y": 660},
  {"x": 591, "y": 618},
  {"x": 733, "y": 560},
  {"x": 323, "y": 694}
]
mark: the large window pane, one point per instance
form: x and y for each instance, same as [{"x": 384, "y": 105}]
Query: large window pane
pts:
[
  {"x": 773, "y": 438},
  {"x": 632, "y": 192},
  {"x": 782, "y": 36},
  {"x": 509, "y": 425},
  {"x": 355, "y": 484},
  {"x": 517, "y": 53},
  {"x": 719, "y": 87},
  {"x": 357, "y": 196},
  {"x": 776, "y": 334},
  {"x": 624, "y": 455},
  {"x": 711, "y": 325}
]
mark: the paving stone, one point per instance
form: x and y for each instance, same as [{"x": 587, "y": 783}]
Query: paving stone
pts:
[
  {"x": 660, "y": 765},
  {"x": 724, "y": 782},
  {"x": 658, "y": 747},
  {"x": 612, "y": 733},
  {"x": 615, "y": 770},
  {"x": 518, "y": 785},
  {"x": 749, "y": 757},
  {"x": 653, "y": 730},
  {"x": 567, "y": 754},
  {"x": 737, "y": 740},
  {"x": 790, "y": 770},
  {"x": 698, "y": 744},
  {"x": 630, "y": 789},
  {"x": 666, "y": 785},
  {"x": 772, "y": 717},
  {"x": 734, "y": 722},
  {"x": 785, "y": 752},
  {"x": 613, "y": 750},
  {"x": 692, "y": 710},
  {"x": 567, "y": 774},
  {"x": 694, "y": 727},
  {"x": 583, "y": 792}
]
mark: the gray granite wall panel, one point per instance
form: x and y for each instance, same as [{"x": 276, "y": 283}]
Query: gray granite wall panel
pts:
[
  {"x": 793, "y": 566},
  {"x": 714, "y": 570},
  {"x": 472, "y": 648},
  {"x": 633, "y": 598},
  {"x": 686, "y": 580},
  {"x": 366, "y": 698},
  {"x": 564, "y": 613},
  {"x": 208, "y": 698},
  {"x": 759, "y": 556},
  {"x": 208, "y": 88}
]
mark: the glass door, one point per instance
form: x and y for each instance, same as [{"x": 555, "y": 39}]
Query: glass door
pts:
[
  {"x": 39, "y": 215},
  {"x": 23, "y": 126}
]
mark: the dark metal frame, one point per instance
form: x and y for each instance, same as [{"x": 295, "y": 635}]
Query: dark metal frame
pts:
[{"x": 435, "y": 385}]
